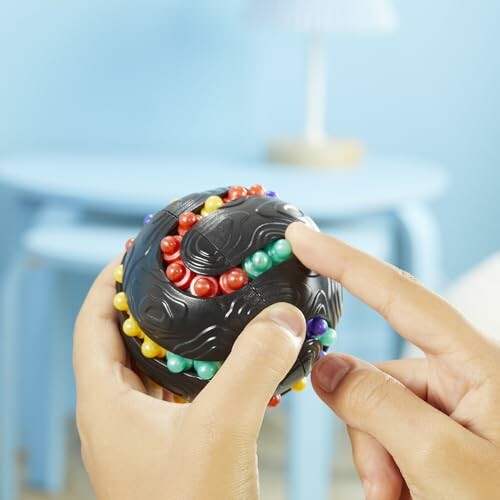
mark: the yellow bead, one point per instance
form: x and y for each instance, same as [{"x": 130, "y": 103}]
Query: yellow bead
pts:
[
  {"x": 120, "y": 301},
  {"x": 212, "y": 203},
  {"x": 180, "y": 400},
  {"x": 141, "y": 334},
  {"x": 204, "y": 213},
  {"x": 151, "y": 349},
  {"x": 131, "y": 328},
  {"x": 300, "y": 385},
  {"x": 118, "y": 274}
]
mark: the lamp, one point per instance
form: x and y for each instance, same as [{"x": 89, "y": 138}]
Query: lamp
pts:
[{"x": 318, "y": 18}]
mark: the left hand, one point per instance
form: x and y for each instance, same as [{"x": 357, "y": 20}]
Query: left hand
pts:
[{"x": 135, "y": 446}]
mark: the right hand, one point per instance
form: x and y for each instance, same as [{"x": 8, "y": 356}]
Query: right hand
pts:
[{"x": 420, "y": 429}]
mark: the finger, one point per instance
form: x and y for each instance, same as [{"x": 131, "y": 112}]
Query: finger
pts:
[
  {"x": 417, "y": 314},
  {"x": 412, "y": 373},
  {"x": 372, "y": 401},
  {"x": 99, "y": 355},
  {"x": 261, "y": 357},
  {"x": 379, "y": 474}
]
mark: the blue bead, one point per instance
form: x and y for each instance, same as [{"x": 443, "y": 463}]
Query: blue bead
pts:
[
  {"x": 271, "y": 194},
  {"x": 148, "y": 218},
  {"x": 316, "y": 327}
]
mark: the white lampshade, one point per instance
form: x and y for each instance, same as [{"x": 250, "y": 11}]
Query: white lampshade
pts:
[{"x": 327, "y": 16}]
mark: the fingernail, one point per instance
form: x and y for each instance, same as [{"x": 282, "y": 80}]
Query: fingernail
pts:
[
  {"x": 288, "y": 319},
  {"x": 329, "y": 371},
  {"x": 367, "y": 486}
]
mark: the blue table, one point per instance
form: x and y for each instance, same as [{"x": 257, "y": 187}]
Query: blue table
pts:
[{"x": 128, "y": 188}]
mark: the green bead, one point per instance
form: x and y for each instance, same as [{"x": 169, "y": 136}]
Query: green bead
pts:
[
  {"x": 249, "y": 268},
  {"x": 261, "y": 261},
  {"x": 328, "y": 338},
  {"x": 279, "y": 251},
  {"x": 178, "y": 364},
  {"x": 206, "y": 369}
]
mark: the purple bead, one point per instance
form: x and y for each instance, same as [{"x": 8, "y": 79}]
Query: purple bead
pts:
[
  {"x": 271, "y": 194},
  {"x": 148, "y": 218},
  {"x": 316, "y": 327}
]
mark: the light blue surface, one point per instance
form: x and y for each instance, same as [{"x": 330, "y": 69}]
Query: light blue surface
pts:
[{"x": 190, "y": 76}]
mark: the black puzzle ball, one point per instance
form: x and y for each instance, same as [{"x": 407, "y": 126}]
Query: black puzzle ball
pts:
[{"x": 200, "y": 270}]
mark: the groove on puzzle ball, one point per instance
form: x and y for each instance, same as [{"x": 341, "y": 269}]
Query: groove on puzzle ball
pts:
[{"x": 200, "y": 270}]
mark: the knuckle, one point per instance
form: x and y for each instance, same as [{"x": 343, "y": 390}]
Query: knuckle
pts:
[
  {"x": 272, "y": 345},
  {"x": 370, "y": 389}
]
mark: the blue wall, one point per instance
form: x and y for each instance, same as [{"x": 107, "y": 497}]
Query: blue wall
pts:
[{"x": 192, "y": 75}]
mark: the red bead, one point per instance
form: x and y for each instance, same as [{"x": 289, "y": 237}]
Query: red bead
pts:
[
  {"x": 274, "y": 401},
  {"x": 179, "y": 274},
  {"x": 176, "y": 271},
  {"x": 170, "y": 245},
  {"x": 171, "y": 248},
  {"x": 236, "y": 192},
  {"x": 256, "y": 190},
  {"x": 204, "y": 286},
  {"x": 129, "y": 243},
  {"x": 233, "y": 280},
  {"x": 187, "y": 220}
]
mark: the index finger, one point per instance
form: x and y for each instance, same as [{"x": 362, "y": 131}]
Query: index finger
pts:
[{"x": 422, "y": 317}]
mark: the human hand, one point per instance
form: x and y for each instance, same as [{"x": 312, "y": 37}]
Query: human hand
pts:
[
  {"x": 135, "y": 446},
  {"x": 420, "y": 429}
]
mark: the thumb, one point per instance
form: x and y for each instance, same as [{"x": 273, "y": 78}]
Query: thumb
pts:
[
  {"x": 369, "y": 400},
  {"x": 261, "y": 357}
]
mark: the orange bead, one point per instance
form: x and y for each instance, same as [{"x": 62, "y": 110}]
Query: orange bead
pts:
[
  {"x": 256, "y": 190},
  {"x": 204, "y": 286},
  {"x": 187, "y": 220},
  {"x": 176, "y": 271},
  {"x": 236, "y": 192},
  {"x": 129, "y": 243},
  {"x": 274, "y": 401},
  {"x": 233, "y": 280}
]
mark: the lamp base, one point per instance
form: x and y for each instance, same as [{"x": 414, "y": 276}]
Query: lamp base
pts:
[{"x": 330, "y": 153}]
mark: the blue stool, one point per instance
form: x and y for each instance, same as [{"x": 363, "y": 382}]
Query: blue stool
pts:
[{"x": 63, "y": 258}]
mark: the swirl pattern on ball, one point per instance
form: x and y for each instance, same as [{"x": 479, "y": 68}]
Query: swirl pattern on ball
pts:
[{"x": 204, "y": 329}]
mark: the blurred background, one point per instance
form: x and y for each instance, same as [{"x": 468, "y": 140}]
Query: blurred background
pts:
[{"x": 91, "y": 91}]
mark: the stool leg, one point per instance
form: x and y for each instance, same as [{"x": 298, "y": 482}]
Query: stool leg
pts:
[
  {"x": 44, "y": 405},
  {"x": 9, "y": 333},
  {"x": 311, "y": 446}
]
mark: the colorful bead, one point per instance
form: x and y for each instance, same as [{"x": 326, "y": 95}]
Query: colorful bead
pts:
[
  {"x": 233, "y": 280},
  {"x": 328, "y": 338},
  {"x": 236, "y": 192},
  {"x": 131, "y": 328},
  {"x": 129, "y": 244},
  {"x": 118, "y": 274},
  {"x": 256, "y": 190},
  {"x": 179, "y": 274},
  {"x": 272, "y": 194},
  {"x": 206, "y": 369},
  {"x": 178, "y": 399},
  {"x": 256, "y": 264},
  {"x": 148, "y": 218},
  {"x": 279, "y": 251},
  {"x": 300, "y": 385},
  {"x": 274, "y": 401},
  {"x": 316, "y": 327},
  {"x": 150, "y": 349},
  {"x": 171, "y": 248},
  {"x": 178, "y": 364},
  {"x": 212, "y": 203},
  {"x": 187, "y": 220},
  {"x": 120, "y": 302},
  {"x": 204, "y": 286}
]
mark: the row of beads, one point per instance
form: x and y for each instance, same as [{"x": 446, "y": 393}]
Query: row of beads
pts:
[{"x": 150, "y": 349}]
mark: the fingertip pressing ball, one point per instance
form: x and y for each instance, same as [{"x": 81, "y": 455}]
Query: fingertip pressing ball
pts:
[{"x": 200, "y": 270}]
